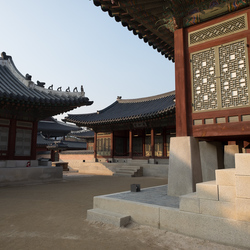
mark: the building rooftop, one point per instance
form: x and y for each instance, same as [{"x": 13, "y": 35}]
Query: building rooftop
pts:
[
  {"x": 155, "y": 21},
  {"x": 132, "y": 110},
  {"x": 33, "y": 101}
]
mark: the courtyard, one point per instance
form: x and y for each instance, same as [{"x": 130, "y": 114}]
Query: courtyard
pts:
[{"x": 52, "y": 215}]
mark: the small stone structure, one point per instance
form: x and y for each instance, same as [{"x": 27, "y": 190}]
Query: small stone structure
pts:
[{"x": 217, "y": 211}]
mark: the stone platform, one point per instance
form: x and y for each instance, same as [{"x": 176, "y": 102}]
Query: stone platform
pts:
[{"x": 153, "y": 207}]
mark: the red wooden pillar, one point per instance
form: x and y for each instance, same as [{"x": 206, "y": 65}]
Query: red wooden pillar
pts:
[
  {"x": 180, "y": 83},
  {"x": 143, "y": 143},
  {"x": 153, "y": 142},
  {"x": 112, "y": 145},
  {"x": 33, "y": 140},
  {"x": 95, "y": 145},
  {"x": 12, "y": 140},
  {"x": 130, "y": 143},
  {"x": 164, "y": 142}
]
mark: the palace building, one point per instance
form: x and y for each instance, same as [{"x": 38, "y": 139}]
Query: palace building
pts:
[
  {"x": 23, "y": 104},
  {"x": 132, "y": 128}
]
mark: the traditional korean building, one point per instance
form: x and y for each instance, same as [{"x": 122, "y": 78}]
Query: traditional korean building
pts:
[
  {"x": 209, "y": 43},
  {"x": 23, "y": 104},
  {"x": 132, "y": 128}
]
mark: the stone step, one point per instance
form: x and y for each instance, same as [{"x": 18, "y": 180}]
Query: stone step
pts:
[
  {"x": 190, "y": 203},
  {"x": 129, "y": 167},
  {"x": 108, "y": 217},
  {"x": 225, "y": 177},
  {"x": 207, "y": 190},
  {"x": 123, "y": 174},
  {"x": 128, "y": 170},
  {"x": 125, "y": 171}
]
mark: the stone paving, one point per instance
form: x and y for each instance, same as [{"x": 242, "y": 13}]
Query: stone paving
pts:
[{"x": 154, "y": 195}]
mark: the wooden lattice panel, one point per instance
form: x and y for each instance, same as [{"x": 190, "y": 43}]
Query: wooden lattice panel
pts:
[
  {"x": 221, "y": 29},
  {"x": 233, "y": 75},
  {"x": 220, "y": 77},
  {"x": 204, "y": 80}
]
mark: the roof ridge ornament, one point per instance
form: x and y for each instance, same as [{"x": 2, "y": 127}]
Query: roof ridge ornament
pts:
[
  {"x": 5, "y": 56},
  {"x": 28, "y": 77},
  {"x": 40, "y": 84}
]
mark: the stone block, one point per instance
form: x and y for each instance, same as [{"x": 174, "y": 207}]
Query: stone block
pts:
[
  {"x": 243, "y": 209},
  {"x": 108, "y": 217},
  {"x": 227, "y": 193},
  {"x": 218, "y": 229},
  {"x": 207, "y": 190},
  {"x": 218, "y": 208},
  {"x": 243, "y": 186},
  {"x": 141, "y": 213},
  {"x": 211, "y": 154},
  {"x": 190, "y": 203},
  {"x": 229, "y": 155},
  {"x": 242, "y": 164},
  {"x": 184, "y": 166},
  {"x": 225, "y": 177}
]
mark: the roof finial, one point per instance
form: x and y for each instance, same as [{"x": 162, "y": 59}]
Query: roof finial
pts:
[
  {"x": 68, "y": 89},
  {"x": 4, "y": 56},
  {"x": 40, "y": 84},
  {"x": 28, "y": 77}
]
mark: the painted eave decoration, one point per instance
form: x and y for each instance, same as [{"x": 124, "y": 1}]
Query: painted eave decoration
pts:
[{"x": 155, "y": 21}]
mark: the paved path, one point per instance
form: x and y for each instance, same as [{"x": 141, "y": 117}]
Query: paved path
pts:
[{"x": 53, "y": 216}]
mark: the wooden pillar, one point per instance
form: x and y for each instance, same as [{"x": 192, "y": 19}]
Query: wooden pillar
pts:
[
  {"x": 143, "y": 143},
  {"x": 95, "y": 145},
  {"x": 164, "y": 142},
  {"x": 52, "y": 155},
  {"x": 130, "y": 143},
  {"x": 12, "y": 140},
  {"x": 180, "y": 83},
  {"x": 112, "y": 145},
  {"x": 33, "y": 141},
  {"x": 153, "y": 142}
]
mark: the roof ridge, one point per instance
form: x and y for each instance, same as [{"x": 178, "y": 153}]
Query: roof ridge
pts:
[{"x": 144, "y": 99}]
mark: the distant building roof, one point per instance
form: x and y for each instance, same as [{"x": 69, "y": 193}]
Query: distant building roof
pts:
[
  {"x": 132, "y": 110},
  {"x": 71, "y": 145},
  {"x": 54, "y": 128},
  {"x": 33, "y": 101},
  {"x": 83, "y": 134}
]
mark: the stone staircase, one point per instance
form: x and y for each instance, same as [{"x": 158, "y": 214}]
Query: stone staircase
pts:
[
  {"x": 127, "y": 170},
  {"x": 227, "y": 197}
]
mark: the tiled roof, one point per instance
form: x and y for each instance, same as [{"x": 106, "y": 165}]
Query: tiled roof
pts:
[
  {"x": 54, "y": 128},
  {"x": 128, "y": 111},
  {"x": 71, "y": 145},
  {"x": 83, "y": 134},
  {"x": 17, "y": 89}
]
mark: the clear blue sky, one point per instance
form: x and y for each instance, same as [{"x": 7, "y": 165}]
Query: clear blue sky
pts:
[{"x": 74, "y": 43}]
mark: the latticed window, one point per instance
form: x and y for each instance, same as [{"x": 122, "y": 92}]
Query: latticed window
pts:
[
  {"x": 104, "y": 146},
  {"x": 23, "y": 142},
  {"x": 220, "y": 77},
  {"x": 4, "y": 136}
]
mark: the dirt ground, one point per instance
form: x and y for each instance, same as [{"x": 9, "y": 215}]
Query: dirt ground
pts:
[{"x": 53, "y": 216}]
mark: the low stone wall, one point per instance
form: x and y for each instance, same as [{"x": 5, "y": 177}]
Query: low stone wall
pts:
[{"x": 19, "y": 174}]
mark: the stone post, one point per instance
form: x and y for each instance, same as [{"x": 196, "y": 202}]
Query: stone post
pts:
[
  {"x": 211, "y": 154},
  {"x": 184, "y": 166}
]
